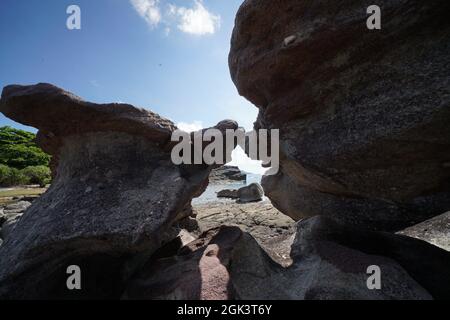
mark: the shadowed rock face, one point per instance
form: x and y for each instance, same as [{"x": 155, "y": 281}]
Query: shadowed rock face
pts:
[
  {"x": 114, "y": 195},
  {"x": 329, "y": 261},
  {"x": 363, "y": 115},
  {"x": 198, "y": 271}
]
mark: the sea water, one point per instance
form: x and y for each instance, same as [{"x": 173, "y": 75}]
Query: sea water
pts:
[{"x": 210, "y": 194}]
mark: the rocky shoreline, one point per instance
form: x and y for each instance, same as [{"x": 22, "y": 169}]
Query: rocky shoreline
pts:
[{"x": 364, "y": 154}]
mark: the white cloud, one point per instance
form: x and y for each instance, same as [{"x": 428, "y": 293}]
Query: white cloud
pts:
[
  {"x": 167, "y": 31},
  {"x": 94, "y": 83},
  {"x": 149, "y": 10},
  {"x": 190, "y": 127},
  {"x": 197, "y": 20},
  {"x": 241, "y": 160}
]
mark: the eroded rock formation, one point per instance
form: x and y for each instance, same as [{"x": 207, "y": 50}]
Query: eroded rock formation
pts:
[
  {"x": 114, "y": 195},
  {"x": 363, "y": 115},
  {"x": 364, "y": 142}
]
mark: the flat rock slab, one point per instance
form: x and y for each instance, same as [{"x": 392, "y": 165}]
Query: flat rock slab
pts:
[{"x": 271, "y": 228}]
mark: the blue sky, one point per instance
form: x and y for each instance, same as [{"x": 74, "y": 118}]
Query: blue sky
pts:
[
  {"x": 122, "y": 55},
  {"x": 169, "y": 56}
]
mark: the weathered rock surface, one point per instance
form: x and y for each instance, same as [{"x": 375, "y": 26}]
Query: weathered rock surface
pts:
[
  {"x": 11, "y": 214},
  {"x": 199, "y": 271},
  {"x": 225, "y": 173},
  {"x": 435, "y": 231},
  {"x": 351, "y": 249},
  {"x": 2, "y": 217},
  {"x": 251, "y": 193},
  {"x": 271, "y": 228},
  {"x": 329, "y": 262},
  {"x": 363, "y": 115},
  {"x": 114, "y": 194},
  {"x": 228, "y": 193}
]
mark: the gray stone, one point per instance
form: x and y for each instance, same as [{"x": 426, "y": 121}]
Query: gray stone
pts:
[
  {"x": 435, "y": 231},
  {"x": 251, "y": 193},
  {"x": 226, "y": 174},
  {"x": 330, "y": 261},
  {"x": 16, "y": 208},
  {"x": 228, "y": 193}
]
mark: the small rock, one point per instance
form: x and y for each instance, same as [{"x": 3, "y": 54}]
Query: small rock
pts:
[
  {"x": 251, "y": 193},
  {"x": 14, "y": 208},
  {"x": 225, "y": 173},
  {"x": 228, "y": 193}
]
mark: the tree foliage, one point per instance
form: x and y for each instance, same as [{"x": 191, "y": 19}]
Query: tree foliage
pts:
[
  {"x": 40, "y": 175},
  {"x": 18, "y": 149}
]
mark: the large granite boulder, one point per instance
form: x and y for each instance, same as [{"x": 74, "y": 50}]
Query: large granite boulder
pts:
[
  {"x": 363, "y": 114},
  {"x": 114, "y": 195},
  {"x": 329, "y": 261}
]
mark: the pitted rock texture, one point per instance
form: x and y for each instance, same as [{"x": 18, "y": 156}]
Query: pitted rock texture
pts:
[
  {"x": 114, "y": 195},
  {"x": 363, "y": 115}
]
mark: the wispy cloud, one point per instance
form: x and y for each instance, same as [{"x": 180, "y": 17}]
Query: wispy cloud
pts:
[
  {"x": 149, "y": 10},
  {"x": 94, "y": 83},
  {"x": 195, "y": 20},
  {"x": 190, "y": 127}
]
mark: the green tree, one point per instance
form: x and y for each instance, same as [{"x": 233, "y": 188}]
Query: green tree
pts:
[
  {"x": 18, "y": 149},
  {"x": 11, "y": 177},
  {"x": 37, "y": 175}
]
